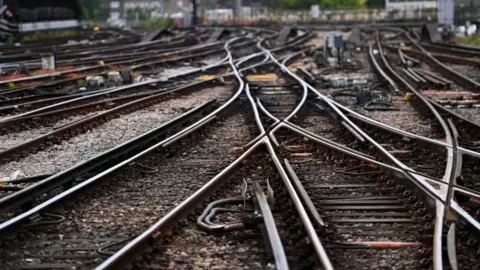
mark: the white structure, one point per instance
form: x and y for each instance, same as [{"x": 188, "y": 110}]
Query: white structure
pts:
[
  {"x": 219, "y": 15},
  {"x": 446, "y": 12},
  {"x": 145, "y": 4},
  {"x": 116, "y": 9},
  {"x": 409, "y": 4},
  {"x": 40, "y": 26}
]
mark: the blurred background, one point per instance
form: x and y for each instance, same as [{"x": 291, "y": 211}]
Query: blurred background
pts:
[{"x": 32, "y": 16}]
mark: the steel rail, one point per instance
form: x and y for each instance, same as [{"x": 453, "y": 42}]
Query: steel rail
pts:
[
  {"x": 90, "y": 59},
  {"x": 353, "y": 153},
  {"x": 230, "y": 101},
  {"x": 6, "y": 225},
  {"x": 400, "y": 132},
  {"x": 11, "y": 55},
  {"x": 449, "y": 170},
  {"x": 457, "y": 159},
  {"x": 417, "y": 179},
  {"x": 115, "y": 37},
  {"x": 287, "y": 124},
  {"x": 133, "y": 67},
  {"x": 262, "y": 53},
  {"x": 100, "y": 46},
  {"x": 308, "y": 226},
  {"x": 47, "y": 44},
  {"x": 199, "y": 123},
  {"x": 84, "y": 57},
  {"x": 195, "y": 125},
  {"x": 38, "y": 104},
  {"x": 121, "y": 255},
  {"x": 442, "y": 57},
  {"x": 420, "y": 96},
  {"x": 457, "y": 168},
  {"x": 297, "y": 200},
  {"x": 321, "y": 140},
  {"x": 45, "y": 139},
  {"x": 450, "y": 167},
  {"x": 69, "y": 98},
  {"x": 461, "y": 79},
  {"x": 457, "y": 76},
  {"x": 424, "y": 180},
  {"x": 186, "y": 57},
  {"x": 205, "y": 191},
  {"x": 305, "y": 89},
  {"x": 304, "y": 96},
  {"x": 379, "y": 69},
  {"x": 18, "y": 91},
  {"x": 454, "y": 156},
  {"x": 454, "y": 205},
  {"x": 255, "y": 111},
  {"x": 56, "y": 74},
  {"x": 41, "y": 117},
  {"x": 26, "y": 194},
  {"x": 386, "y": 154},
  {"x": 457, "y": 46},
  {"x": 309, "y": 206},
  {"x": 168, "y": 220},
  {"x": 276, "y": 121},
  {"x": 113, "y": 90},
  {"x": 116, "y": 89},
  {"x": 236, "y": 73},
  {"x": 273, "y": 236},
  {"x": 324, "y": 141},
  {"x": 421, "y": 184},
  {"x": 271, "y": 228},
  {"x": 444, "y": 48}
]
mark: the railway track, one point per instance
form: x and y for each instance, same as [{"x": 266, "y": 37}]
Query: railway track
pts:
[
  {"x": 285, "y": 173},
  {"x": 117, "y": 200},
  {"x": 369, "y": 219},
  {"x": 379, "y": 147}
]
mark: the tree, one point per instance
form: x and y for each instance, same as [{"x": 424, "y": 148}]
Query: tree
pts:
[
  {"x": 94, "y": 10},
  {"x": 375, "y": 3},
  {"x": 325, "y": 4},
  {"x": 143, "y": 14},
  {"x": 270, "y": 3}
]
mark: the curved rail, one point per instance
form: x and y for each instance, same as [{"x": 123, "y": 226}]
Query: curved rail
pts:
[
  {"x": 116, "y": 260},
  {"x": 383, "y": 152},
  {"x": 267, "y": 139}
]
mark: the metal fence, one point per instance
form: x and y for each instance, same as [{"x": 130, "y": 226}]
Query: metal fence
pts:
[
  {"x": 251, "y": 16},
  {"x": 463, "y": 14}
]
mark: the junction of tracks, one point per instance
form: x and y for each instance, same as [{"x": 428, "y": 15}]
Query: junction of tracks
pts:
[{"x": 259, "y": 147}]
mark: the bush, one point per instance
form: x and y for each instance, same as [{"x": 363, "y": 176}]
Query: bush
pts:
[
  {"x": 50, "y": 34},
  {"x": 473, "y": 40},
  {"x": 156, "y": 23}
]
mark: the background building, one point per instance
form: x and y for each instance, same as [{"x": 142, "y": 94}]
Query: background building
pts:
[{"x": 409, "y": 4}]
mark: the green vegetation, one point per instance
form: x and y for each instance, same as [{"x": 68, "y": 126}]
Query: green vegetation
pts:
[
  {"x": 155, "y": 23},
  {"x": 473, "y": 40},
  {"x": 143, "y": 14},
  {"x": 94, "y": 10},
  {"x": 50, "y": 34},
  {"x": 324, "y": 4},
  {"x": 375, "y": 3}
]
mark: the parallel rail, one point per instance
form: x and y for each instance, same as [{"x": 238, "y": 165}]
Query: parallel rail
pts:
[{"x": 437, "y": 194}]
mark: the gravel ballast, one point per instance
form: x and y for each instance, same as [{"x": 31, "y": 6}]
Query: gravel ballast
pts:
[
  {"x": 108, "y": 135},
  {"x": 129, "y": 203},
  {"x": 12, "y": 139}
]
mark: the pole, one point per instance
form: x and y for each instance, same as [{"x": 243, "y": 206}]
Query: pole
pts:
[
  {"x": 123, "y": 12},
  {"x": 194, "y": 11}
]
